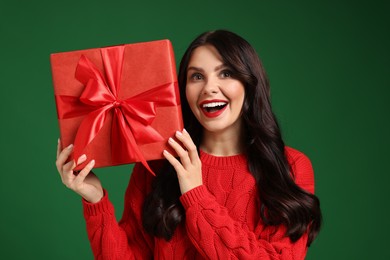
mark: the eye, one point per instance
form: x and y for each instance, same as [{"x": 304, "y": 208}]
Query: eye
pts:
[
  {"x": 226, "y": 74},
  {"x": 196, "y": 76}
]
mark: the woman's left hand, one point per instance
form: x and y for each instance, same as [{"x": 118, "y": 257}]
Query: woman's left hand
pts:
[{"x": 189, "y": 168}]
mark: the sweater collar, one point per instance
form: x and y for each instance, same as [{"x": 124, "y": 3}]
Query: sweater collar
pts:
[{"x": 234, "y": 160}]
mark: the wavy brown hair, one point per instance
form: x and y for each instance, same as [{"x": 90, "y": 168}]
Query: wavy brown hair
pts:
[{"x": 282, "y": 201}]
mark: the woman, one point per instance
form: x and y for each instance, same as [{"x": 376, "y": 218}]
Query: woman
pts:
[{"x": 235, "y": 191}]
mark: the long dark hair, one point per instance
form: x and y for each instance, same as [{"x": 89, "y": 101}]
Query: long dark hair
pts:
[{"x": 282, "y": 201}]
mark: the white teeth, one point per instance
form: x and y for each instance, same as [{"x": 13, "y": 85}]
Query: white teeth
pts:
[{"x": 214, "y": 104}]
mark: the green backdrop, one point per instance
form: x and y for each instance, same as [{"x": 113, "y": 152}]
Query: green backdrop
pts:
[{"x": 328, "y": 63}]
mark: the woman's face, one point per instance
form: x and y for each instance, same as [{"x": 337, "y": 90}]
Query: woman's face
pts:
[{"x": 215, "y": 98}]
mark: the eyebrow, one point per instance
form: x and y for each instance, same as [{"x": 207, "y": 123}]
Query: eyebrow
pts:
[{"x": 202, "y": 70}]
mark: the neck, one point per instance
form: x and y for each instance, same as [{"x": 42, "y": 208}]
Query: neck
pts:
[{"x": 222, "y": 143}]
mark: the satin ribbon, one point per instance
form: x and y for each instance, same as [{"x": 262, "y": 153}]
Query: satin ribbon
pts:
[{"x": 132, "y": 117}]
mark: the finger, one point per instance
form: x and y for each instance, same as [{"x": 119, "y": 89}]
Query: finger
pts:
[
  {"x": 68, "y": 167},
  {"x": 186, "y": 139},
  {"x": 183, "y": 154},
  {"x": 81, "y": 159},
  {"x": 67, "y": 175},
  {"x": 174, "y": 162},
  {"x": 63, "y": 156},
  {"x": 83, "y": 173}
]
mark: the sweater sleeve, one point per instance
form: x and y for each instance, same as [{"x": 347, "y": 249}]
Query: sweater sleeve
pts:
[
  {"x": 126, "y": 239},
  {"x": 216, "y": 235}
]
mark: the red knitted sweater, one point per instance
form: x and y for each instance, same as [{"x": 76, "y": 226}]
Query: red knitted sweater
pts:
[{"x": 222, "y": 217}]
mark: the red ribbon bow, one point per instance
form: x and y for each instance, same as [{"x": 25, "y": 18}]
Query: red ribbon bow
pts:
[{"x": 132, "y": 117}]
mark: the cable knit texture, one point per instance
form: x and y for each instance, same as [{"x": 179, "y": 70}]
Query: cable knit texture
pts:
[{"x": 222, "y": 217}]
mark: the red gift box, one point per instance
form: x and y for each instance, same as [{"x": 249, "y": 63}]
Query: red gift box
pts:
[{"x": 117, "y": 104}]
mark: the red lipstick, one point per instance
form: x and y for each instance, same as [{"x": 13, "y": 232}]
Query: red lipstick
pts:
[{"x": 213, "y": 108}]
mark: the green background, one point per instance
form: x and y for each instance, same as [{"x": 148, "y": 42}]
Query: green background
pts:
[{"x": 328, "y": 63}]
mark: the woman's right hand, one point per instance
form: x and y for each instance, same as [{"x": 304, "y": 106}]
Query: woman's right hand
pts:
[{"x": 85, "y": 183}]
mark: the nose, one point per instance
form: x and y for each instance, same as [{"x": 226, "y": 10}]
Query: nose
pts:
[{"x": 211, "y": 87}]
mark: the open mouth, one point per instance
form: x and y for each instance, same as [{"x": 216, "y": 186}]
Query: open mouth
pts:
[{"x": 214, "y": 106}]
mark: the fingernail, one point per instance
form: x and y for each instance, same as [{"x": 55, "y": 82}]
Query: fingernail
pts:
[
  {"x": 185, "y": 131},
  {"x": 92, "y": 162},
  {"x": 171, "y": 140},
  {"x": 165, "y": 152},
  {"x": 81, "y": 159},
  {"x": 70, "y": 146},
  {"x": 58, "y": 140},
  {"x": 178, "y": 133}
]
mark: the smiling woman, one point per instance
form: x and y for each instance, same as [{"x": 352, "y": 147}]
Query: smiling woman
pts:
[
  {"x": 234, "y": 191},
  {"x": 249, "y": 177}
]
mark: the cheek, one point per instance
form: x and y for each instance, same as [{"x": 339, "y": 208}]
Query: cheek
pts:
[
  {"x": 239, "y": 89},
  {"x": 236, "y": 92}
]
